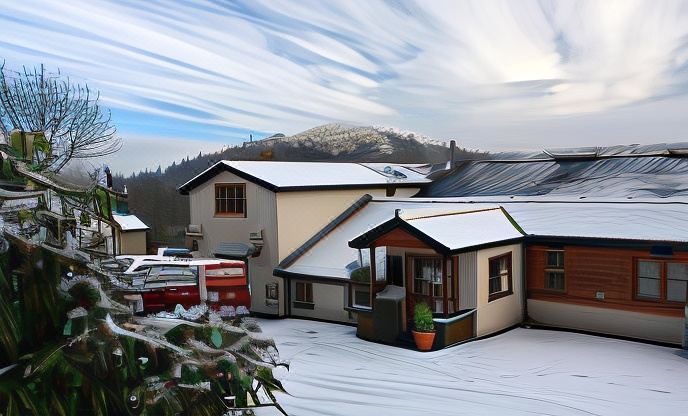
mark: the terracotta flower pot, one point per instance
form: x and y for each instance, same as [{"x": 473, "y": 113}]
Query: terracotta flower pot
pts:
[{"x": 423, "y": 340}]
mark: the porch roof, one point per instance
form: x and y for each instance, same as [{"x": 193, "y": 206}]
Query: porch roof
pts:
[{"x": 448, "y": 230}]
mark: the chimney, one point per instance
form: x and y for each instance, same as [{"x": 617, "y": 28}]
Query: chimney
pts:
[{"x": 452, "y": 149}]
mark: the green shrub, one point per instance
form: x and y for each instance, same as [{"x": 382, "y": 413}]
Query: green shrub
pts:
[
  {"x": 361, "y": 275},
  {"x": 422, "y": 318}
]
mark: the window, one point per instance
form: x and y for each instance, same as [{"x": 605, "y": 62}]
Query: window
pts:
[
  {"x": 649, "y": 279},
  {"x": 661, "y": 281},
  {"x": 427, "y": 276},
  {"x": 500, "y": 277},
  {"x": 395, "y": 271},
  {"x": 677, "y": 276},
  {"x": 427, "y": 281},
  {"x": 554, "y": 270},
  {"x": 304, "y": 295},
  {"x": 230, "y": 200}
]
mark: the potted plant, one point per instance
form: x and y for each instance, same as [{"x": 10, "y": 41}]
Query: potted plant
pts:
[{"x": 424, "y": 332}]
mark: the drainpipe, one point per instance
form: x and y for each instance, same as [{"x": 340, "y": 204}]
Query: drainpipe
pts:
[
  {"x": 452, "y": 150},
  {"x": 685, "y": 328},
  {"x": 524, "y": 283}
]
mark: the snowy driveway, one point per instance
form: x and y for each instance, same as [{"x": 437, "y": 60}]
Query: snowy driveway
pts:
[{"x": 524, "y": 371}]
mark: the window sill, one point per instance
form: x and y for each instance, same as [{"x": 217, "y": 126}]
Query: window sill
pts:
[
  {"x": 230, "y": 215},
  {"x": 500, "y": 295},
  {"x": 303, "y": 305}
]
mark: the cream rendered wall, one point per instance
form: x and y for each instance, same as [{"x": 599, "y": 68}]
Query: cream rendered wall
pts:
[
  {"x": 132, "y": 242},
  {"x": 504, "y": 312},
  {"x": 261, "y": 214},
  {"x": 607, "y": 321},
  {"x": 301, "y": 214},
  {"x": 329, "y": 301}
]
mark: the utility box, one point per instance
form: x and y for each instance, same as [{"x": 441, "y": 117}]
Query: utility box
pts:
[{"x": 389, "y": 320}]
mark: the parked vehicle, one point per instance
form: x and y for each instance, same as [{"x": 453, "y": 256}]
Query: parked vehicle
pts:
[{"x": 216, "y": 282}]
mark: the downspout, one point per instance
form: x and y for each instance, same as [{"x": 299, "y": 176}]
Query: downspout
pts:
[
  {"x": 524, "y": 284},
  {"x": 287, "y": 307}
]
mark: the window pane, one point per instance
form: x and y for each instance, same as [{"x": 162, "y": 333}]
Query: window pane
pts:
[
  {"x": 676, "y": 290},
  {"x": 555, "y": 258},
  {"x": 555, "y": 280},
  {"x": 677, "y": 271},
  {"x": 299, "y": 291},
  {"x": 240, "y": 192},
  {"x": 495, "y": 284},
  {"x": 649, "y": 269},
  {"x": 648, "y": 288}
]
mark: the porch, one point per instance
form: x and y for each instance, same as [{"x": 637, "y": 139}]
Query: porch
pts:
[{"x": 419, "y": 257}]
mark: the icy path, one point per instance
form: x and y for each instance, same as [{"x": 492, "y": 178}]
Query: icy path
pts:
[{"x": 533, "y": 372}]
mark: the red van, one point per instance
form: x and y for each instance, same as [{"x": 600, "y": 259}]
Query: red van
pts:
[{"x": 221, "y": 283}]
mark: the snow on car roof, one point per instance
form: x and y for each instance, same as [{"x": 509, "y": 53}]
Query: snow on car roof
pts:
[{"x": 281, "y": 176}]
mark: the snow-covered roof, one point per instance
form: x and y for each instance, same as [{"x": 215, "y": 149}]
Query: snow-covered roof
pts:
[
  {"x": 286, "y": 176},
  {"x": 449, "y": 229},
  {"x": 129, "y": 222},
  {"x": 609, "y": 219}
]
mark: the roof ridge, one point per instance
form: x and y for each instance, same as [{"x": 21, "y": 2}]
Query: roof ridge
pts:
[{"x": 445, "y": 214}]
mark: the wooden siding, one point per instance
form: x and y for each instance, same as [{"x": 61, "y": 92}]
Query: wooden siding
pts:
[
  {"x": 589, "y": 270},
  {"x": 399, "y": 238},
  {"x": 468, "y": 280}
]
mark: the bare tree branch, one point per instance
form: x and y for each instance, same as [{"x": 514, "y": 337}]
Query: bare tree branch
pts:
[{"x": 69, "y": 114}]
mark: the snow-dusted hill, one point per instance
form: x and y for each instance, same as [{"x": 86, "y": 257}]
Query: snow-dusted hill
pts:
[{"x": 352, "y": 142}]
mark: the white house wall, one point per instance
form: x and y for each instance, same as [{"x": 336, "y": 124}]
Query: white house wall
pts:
[
  {"x": 329, "y": 301},
  {"x": 301, "y": 214},
  {"x": 260, "y": 214},
  {"x": 607, "y": 321},
  {"x": 504, "y": 312}
]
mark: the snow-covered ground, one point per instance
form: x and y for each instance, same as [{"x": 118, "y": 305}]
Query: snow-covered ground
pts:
[{"x": 524, "y": 371}]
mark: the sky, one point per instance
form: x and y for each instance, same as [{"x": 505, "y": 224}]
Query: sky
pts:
[{"x": 187, "y": 76}]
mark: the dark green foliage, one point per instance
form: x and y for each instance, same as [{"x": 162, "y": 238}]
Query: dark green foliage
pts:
[
  {"x": 192, "y": 375},
  {"x": 422, "y": 318},
  {"x": 361, "y": 275},
  {"x": 84, "y": 294}
]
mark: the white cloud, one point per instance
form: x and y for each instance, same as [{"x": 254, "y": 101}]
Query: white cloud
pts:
[{"x": 440, "y": 67}]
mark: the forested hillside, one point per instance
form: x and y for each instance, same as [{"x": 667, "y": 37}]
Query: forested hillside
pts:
[{"x": 153, "y": 194}]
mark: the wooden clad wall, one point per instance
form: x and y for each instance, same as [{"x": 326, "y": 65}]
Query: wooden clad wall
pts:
[
  {"x": 589, "y": 270},
  {"x": 468, "y": 280}
]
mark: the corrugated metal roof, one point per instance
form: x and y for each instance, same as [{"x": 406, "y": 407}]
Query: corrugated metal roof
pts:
[{"x": 619, "y": 177}]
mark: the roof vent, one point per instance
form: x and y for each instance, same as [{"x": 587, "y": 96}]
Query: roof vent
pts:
[
  {"x": 573, "y": 153},
  {"x": 388, "y": 170}
]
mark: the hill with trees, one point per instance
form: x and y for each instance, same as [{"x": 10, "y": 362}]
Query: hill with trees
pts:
[{"x": 154, "y": 198}]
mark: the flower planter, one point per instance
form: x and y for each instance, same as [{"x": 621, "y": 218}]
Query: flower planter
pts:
[{"x": 423, "y": 340}]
